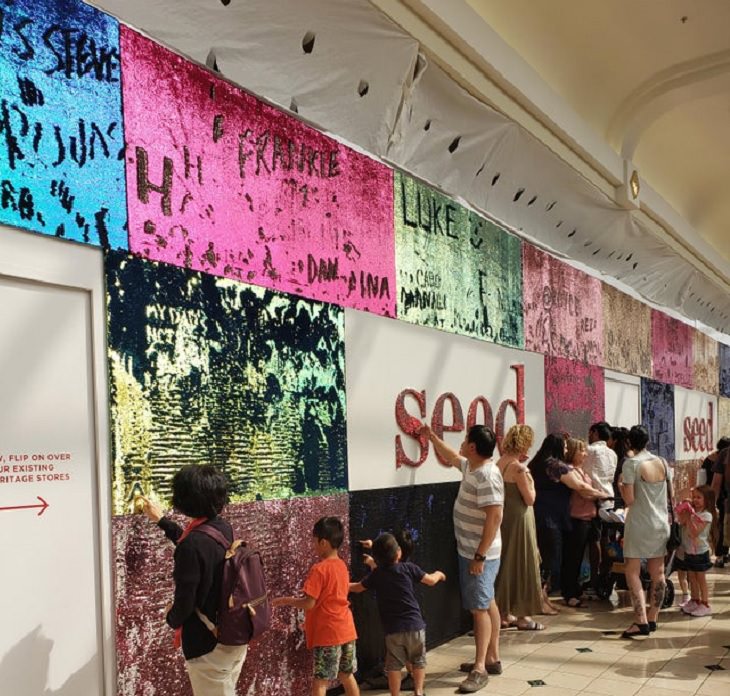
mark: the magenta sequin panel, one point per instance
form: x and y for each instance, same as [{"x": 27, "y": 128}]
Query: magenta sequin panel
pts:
[
  {"x": 221, "y": 182},
  {"x": 278, "y": 662},
  {"x": 574, "y": 396},
  {"x": 563, "y": 308},
  {"x": 672, "y": 355}
]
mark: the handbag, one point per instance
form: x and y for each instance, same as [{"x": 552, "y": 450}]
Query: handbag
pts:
[{"x": 675, "y": 529}]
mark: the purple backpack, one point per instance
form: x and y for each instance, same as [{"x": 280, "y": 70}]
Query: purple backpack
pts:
[{"x": 244, "y": 612}]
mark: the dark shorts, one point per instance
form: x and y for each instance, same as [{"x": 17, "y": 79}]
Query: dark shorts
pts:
[
  {"x": 332, "y": 660},
  {"x": 693, "y": 563},
  {"x": 408, "y": 646}
]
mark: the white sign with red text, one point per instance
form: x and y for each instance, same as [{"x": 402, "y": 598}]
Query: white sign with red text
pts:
[
  {"x": 400, "y": 376},
  {"x": 695, "y": 423}
]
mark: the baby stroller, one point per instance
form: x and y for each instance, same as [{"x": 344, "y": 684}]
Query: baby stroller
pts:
[{"x": 616, "y": 577}]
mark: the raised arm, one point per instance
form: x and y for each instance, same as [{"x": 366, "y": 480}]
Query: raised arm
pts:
[
  {"x": 432, "y": 579},
  {"x": 448, "y": 454},
  {"x": 305, "y": 602}
]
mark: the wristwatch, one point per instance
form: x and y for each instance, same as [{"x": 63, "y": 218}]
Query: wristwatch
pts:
[{"x": 479, "y": 557}]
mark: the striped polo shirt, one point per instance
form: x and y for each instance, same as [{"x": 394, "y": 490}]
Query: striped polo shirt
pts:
[{"x": 480, "y": 488}]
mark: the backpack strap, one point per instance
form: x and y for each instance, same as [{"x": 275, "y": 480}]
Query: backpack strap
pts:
[{"x": 210, "y": 531}]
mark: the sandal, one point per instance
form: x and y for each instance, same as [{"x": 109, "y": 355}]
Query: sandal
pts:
[
  {"x": 643, "y": 630},
  {"x": 530, "y": 625},
  {"x": 652, "y": 626}
]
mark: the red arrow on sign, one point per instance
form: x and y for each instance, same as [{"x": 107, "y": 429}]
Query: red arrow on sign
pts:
[{"x": 42, "y": 506}]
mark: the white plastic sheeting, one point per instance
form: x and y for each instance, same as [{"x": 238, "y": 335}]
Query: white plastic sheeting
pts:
[{"x": 350, "y": 70}]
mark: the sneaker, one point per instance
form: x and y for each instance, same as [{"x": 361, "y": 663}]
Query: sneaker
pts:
[
  {"x": 690, "y": 606},
  {"x": 476, "y": 681},
  {"x": 702, "y": 610},
  {"x": 685, "y": 598}
]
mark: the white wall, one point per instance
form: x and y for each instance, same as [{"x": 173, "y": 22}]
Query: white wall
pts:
[
  {"x": 384, "y": 357},
  {"x": 623, "y": 399},
  {"x": 55, "y": 602}
]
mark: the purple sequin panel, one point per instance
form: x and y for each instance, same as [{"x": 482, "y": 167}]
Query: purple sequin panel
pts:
[{"x": 277, "y": 663}]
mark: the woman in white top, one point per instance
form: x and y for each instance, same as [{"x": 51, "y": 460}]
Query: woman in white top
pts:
[{"x": 644, "y": 489}]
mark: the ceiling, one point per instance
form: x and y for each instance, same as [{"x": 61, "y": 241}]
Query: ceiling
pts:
[{"x": 652, "y": 78}]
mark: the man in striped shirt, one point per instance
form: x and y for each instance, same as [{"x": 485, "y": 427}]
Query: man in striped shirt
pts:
[{"x": 477, "y": 519}]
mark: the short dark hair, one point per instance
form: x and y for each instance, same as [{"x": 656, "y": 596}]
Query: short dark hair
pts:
[
  {"x": 199, "y": 490},
  {"x": 385, "y": 550},
  {"x": 405, "y": 541},
  {"x": 602, "y": 429},
  {"x": 638, "y": 437},
  {"x": 483, "y": 439},
  {"x": 723, "y": 442},
  {"x": 330, "y": 529}
]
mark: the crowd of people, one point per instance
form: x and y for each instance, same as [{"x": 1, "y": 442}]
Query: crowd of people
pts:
[{"x": 528, "y": 530}]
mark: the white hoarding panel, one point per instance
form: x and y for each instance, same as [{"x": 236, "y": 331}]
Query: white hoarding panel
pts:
[
  {"x": 623, "y": 399},
  {"x": 695, "y": 423},
  {"x": 400, "y": 376}
]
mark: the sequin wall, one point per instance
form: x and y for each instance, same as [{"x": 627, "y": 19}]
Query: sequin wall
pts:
[
  {"x": 223, "y": 183},
  {"x": 61, "y": 139},
  {"x": 657, "y": 414},
  {"x": 575, "y": 396},
  {"x": 211, "y": 370},
  {"x": 672, "y": 350},
  {"x": 627, "y": 333},
  {"x": 723, "y": 417},
  {"x": 425, "y": 511},
  {"x": 277, "y": 663},
  {"x": 456, "y": 270},
  {"x": 724, "y": 359},
  {"x": 705, "y": 363},
  {"x": 563, "y": 308}
]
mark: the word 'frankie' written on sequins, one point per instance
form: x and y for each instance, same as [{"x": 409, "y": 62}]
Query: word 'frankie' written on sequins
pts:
[{"x": 228, "y": 185}]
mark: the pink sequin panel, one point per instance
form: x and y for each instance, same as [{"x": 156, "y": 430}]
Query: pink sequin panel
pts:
[
  {"x": 575, "y": 396},
  {"x": 671, "y": 342},
  {"x": 277, "y": 663},
  {"x": 223, "y": 183},
  {"x": 563, "y": 308}
]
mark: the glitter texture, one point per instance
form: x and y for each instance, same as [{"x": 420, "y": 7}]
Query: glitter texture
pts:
[
  {"x": 671, "y": 350},
  {"x": 723, "y": 416},
  {"x": 61, "y": 135},
  {"x": 222, "y": 183},
  {"x": 427, "y": 512},
  {"x": 456, "y": 270},
  {"x": 724, "y": 360},
  {"x": 563, "y": 308},
  {"x": 657, "y": 414},
  {"x": 574, "y": 396},
  {"x": 278, "y": 662},
  {"x": 627, "y": 332},
  {"x": 706, "y": 365},
  {"x": 205, "y": 369}
]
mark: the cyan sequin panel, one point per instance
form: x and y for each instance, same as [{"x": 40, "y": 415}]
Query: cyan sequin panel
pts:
[
  {"x": 210, "y": 370},
  {"x": 61, "y": 137}
]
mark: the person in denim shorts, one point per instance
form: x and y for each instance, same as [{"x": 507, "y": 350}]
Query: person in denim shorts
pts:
[
  {"x": 405, "y": 630},
  {"x": 477, "y": 520}
]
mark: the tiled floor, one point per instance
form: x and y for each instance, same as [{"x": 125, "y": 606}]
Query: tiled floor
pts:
[{"x": 672, "y": 662}]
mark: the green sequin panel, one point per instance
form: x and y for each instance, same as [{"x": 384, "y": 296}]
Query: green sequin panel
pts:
[
  {"x": 456, "y": 271},
  {"x": 210, "y": 370}
]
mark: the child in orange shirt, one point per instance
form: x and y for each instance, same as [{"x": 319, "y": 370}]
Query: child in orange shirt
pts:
[{"x": 328, "y": 622}]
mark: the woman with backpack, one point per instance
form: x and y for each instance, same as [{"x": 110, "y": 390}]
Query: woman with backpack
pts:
[{"x": 199, "y": 493}]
